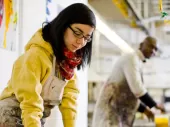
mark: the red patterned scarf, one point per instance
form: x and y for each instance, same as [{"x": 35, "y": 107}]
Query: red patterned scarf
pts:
[{"x": 67, "y": 66}]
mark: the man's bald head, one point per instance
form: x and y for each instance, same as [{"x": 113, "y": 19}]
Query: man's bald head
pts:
[{"x": 148, "y": 46}]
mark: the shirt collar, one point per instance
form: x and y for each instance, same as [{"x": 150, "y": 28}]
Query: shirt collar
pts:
[{"x": 141, "y": 56}]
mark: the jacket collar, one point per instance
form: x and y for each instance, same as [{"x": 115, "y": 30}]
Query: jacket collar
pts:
[{"x": 141, "y": 56}]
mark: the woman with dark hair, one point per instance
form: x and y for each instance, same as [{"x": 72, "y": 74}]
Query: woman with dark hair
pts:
[{"x": 44, "y": 76}]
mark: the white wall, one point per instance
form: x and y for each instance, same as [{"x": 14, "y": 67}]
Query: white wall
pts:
[
  {"x": 6, "y": 61},
  {"x": 32, "y": 17},
  {"x": 83, "y": 98},
  {"x": 65, "y": 3}
]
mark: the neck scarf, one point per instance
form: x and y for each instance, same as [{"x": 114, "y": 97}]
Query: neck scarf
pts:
[{"x": 67, "y": 66}]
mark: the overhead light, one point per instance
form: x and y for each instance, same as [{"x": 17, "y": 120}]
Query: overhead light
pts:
[{"x": 111, "y": 35}]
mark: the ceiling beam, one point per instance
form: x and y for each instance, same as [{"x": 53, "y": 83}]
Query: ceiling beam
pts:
[{"x": 137, "y": 15}]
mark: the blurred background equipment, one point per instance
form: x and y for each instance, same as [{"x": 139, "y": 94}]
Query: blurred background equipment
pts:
[{"x": 132, "y": 20}]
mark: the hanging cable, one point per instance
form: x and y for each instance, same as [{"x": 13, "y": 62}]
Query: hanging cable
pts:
[{"x": 163, "y": 13}]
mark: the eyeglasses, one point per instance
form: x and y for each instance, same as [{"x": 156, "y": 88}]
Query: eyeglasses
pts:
[{"x": 80, "y": 35}]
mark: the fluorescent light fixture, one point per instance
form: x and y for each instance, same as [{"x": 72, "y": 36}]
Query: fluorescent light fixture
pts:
[{"x": 111, "y": 35}]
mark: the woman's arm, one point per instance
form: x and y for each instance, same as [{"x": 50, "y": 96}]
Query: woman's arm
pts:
[
  {"x": 27, "y": 88},
  {"x": 68, "y": 107}
]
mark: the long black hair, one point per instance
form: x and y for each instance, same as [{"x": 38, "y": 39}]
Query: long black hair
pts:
[{"x": 53, "y": 32}]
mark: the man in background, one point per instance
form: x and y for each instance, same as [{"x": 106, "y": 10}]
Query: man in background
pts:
[{"x": 124, "y": 92}]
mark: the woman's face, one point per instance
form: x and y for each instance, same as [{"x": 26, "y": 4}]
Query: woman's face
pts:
[{"x": 77, "y": 36}]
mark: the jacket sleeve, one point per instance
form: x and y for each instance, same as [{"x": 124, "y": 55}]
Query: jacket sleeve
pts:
[
  {"x": 134, "y": 79},
  {"x": 27, "y": 88},
  {"x": 148, "y": 100},
  {"x": 68, "y": 106},
  {"x": 132, "y": 73},
  {"x": 141, "y": 107}
]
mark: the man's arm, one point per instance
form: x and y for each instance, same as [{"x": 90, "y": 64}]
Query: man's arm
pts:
[
  {"x": 133, "y": 76},
  {"x": 141, "y": 107}
]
